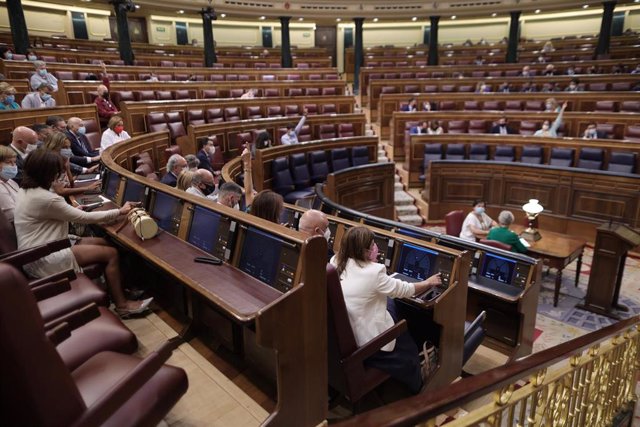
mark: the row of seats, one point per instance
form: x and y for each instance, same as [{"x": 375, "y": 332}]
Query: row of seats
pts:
[
  {"x": 295, "y": 175},
  {"x": 82, "y": 75},
  {"x": 480, "y": 72},
  {"x": 514, "y": 87},
  {"x": 461, "y": 61},
  {"x": 588, "y": 158},
  {"x": 171, "y": 64},
  {"x": 524, "y": 105}
]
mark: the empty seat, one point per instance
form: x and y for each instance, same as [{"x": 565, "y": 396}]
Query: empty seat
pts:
[
  {"x": 491, "y": 106},
  {"x": 318, "y": 166},
  {"x": 466, "y": 88},
  {"x": 283, "y": 181},
  {"x": 447, "y": 105},
  {"x": 291, "y": 110},
  {"x": 607, "y": 129},
  {"x": 196, "y": 117},
  {"x": 448, "y": 88},
  {"x": 209, "y": 93},
  {"x": 411, "y": 88},
  {"x": 215, "y": 115},
  {"x": 531, "y": 154},
  {"x": 471, "y": 106},
  {"x": 328, "y": 109},
  {"x": 232, "y": 114},
  {"x": 598, "y": 87},
  {"x": 339, "y": 159},
  {"x": 478, "y": 152},
  {"x": 64, "y": 75},
  {"x": 623, "y": 162},
  {"x": 345, "y": 130},
  {"x": 300, "y": 171},
  {"x": 274, "y": 111},
  {"x": 590, "y": 158},
  {"x": 534, "y": 106},
  {"x": 92, "y": 133},
  {"x": 305, "y": 134},
  {"x": 457, "y": 126},
  {"x": 359, "y": 156},
  {"x": 311, "y": 108},
  {"x": 561, "y": 157},
  {"x": 120, "y": 96},
  {"x": 388, "y": 89},
  {"x": 236, "y": 93},
  {"x": 621, "y": 86},
  {"x": 455, "y": 152},
  {"x": 327, "y": 131},
  {"x": 165, "y": 77},
  {"x": 504, "y": 153},
  {"x": 181, "y": 94},
  {"x": 164, "y": 95},
  {"x": 312, "y": 91},
  {"x": 176, "y": 124},
  {"x": 156, "y": 122},
  {"x": 632, "y": 133},
  {"x": 630, "y": 107},
  {"x": 144, "y": 95},
  {"x": 513, "y": 105},
  {"x": 477, "y": 126},
  {"x": 271, "y": 92},
  {"x": 254, "y": 112},
  {"x": 295, "y": 91},
  {"x": 431, "y": 152},
  {"x": 528, "y": 128},
  {"x": 605, "y": 106},
  {"x": 216, "y": 77},
  {"x": 329, "y": 91}
]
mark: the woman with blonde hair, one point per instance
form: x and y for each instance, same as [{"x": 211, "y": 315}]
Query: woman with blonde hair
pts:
[
  {"x": 8, "y": 97},
  {"x": 115, "y": 133},
  {"x": 185, "y": 180},
  {"x": 64, "y": 184}
]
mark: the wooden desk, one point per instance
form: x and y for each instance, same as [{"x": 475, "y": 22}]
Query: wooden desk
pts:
[{"x": 559, "y": 250}]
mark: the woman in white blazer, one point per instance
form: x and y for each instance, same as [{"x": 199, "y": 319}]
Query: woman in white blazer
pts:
[{"x": 368, "y": 293}]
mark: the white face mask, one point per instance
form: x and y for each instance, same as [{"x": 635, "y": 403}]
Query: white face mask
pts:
[
  {"x": 327, "y": 234},
  {"x": 30, "y": 148}
]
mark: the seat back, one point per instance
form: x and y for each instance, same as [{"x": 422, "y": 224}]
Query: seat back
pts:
[
  {"x": 504, "y": 153},
  {"x": 496, "y": 244},
  {"x": 622, "y": 161},
  {"x": 291, "y": 110},
  {"x": 305, "y": 133},
  {"x": 359, "y": 156},
  {"x": 605, "y": 106},
  {"x": 478, "y": 152},
  {"x": 339, "y": 159},
  {"x": 531, "y": 154},
  {"x": 590, "y": 158},
  {"x": 453, "y": 222},
  {"x": 195, "y": 117},
  {"x": 144, "y": 95},
  {"x": 254, "y": 112},
  {"x": 477, "y": 126},
  {"x": 164, "y": 95},
  {"x": 318, "y": 166},
  {"x": 345, "y": 130},
  {"x": 176, "y": 124},
  {"x": 9, "y": 242},
  {"x": 534, "y": 106},
  {"x": 282, "y": 179},
  {"x": 274, "y": 111},
  {"x": 117, "y": 97},
  {"x": 457, "y": 126},
  {"x": 455, "y": 152},
  {"x": 528, "y": 128},
  {"x": 182, "y": 94},
  {"x": 232, "y": 114},
  {"x": 156, "y": 122},
  {"x": 215, "y": 115},
  {"x": 300, "y": 171},
  {"x": 327, "y": 131},
  {"x": 328, "y": 109},
  {"x": 209, "y": 93},
  {"x": 31, "y": 369},
  {"x": 561, "y": 157}
]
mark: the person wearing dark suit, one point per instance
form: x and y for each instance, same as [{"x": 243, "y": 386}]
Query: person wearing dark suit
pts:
[
  {"x": 411, "y": 106},
  {"x": 205, "y": 151},
  {"x": 79, "y": 143},
  {"x": 175, "y": 165},
  {"x": 502, "y": 128}
]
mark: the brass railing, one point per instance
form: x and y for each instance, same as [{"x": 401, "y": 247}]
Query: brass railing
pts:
[{"x": 588, "y": 381}]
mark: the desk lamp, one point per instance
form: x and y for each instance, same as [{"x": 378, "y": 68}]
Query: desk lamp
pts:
[{"x": 532, "y": 209}]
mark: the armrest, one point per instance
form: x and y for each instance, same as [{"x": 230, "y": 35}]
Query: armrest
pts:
[
  {"x": 58, "y": 334},
  {"x": 51, "y": 289},
  {"x": 477, "y": 323},
  {"x": 76, "y": 318},
  {"x": 373, "y": 346},
  {"x": 25, "y": 256},
  {"x": 68, "y": 275},
  {"x": 121, "y": 392}
]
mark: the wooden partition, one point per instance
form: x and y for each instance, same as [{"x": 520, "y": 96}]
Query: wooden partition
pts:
[
  {"x": 134, "y": 112},
  {"x": 262, "y": 178},
  {"x": 603, "y": 66},
  {"x": 243, "y": 300},
  {"x": 368, "y": 188},
  {"x": 414, "y": 151},
  {"x": 11, "y": 119},
  {"x": 226, "y": 132},
  {"x": 24, "y": 69},
  {"x": 575, "y": 200},
  {"x": 574, "y": 123},
  {"x": 84, "y": 92},
  {"x": 468, "y": 84}
]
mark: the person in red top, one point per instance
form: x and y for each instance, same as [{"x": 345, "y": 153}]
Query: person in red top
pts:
[{"x": 106, "y": 109}]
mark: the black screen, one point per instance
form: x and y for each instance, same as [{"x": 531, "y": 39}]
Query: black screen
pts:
[
  {"x": 164, "y": 210},
  {"x": 203, "y": 232},
  {"x": 111, "y": 189},
  {"x": 410, "y": 233},
  {"x": 497, "y": 268},
  {"x": 260, "y": 255},
  {"x": 287, "y": 217},
  {"x": 133, "y": 192},
  {"x": 416, "y": 262}
]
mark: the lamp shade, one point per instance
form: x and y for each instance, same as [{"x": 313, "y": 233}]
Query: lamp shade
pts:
[{"x": 533, "y": 207}]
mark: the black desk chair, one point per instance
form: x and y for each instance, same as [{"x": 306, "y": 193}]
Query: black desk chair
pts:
[{"x": 474, "y": 333}]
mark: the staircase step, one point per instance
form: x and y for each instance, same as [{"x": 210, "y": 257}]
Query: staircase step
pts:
[
  {"x": 398, "y": 186},
  {"x": 410, "y": 219},
  {"x": 402, "y": 210},
  {"x": 402, "y": 198},
  {"x": 396, "y": 178}
]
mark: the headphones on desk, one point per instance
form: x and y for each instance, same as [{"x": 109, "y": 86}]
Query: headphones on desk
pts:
[{"x": 144, "y": 226}]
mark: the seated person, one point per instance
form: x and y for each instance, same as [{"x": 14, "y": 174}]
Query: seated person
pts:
[
  {"x": 40, "y": 98},
  {"x": 42, "y": 76},
  {"x": 574, "y": 86},
  {"x": 504, "y": 235},
  {"x": 315, "y": 223},
  {"x": 291, "y": 137},
  {"x": 504, "y": 87},
  {"x": 185, "y": 179},
  {"x": 205, "y": 153},
  {"x": 431, "y": 127},
  {"x": 175, "y": 165},
  {"x": 551, "y": 105},
  {"x": 591, "y": 132},
  {"x": 482, "y": 87},
  {"x": 203, "y": 185},
  {"x": 549, "y": 70},
  {"x": 250, "y": 94},
  {"x": 411, "y": 106},
  {"x": 115, "y": 133},
  {"x": 8, "y": 187},
  {"x": 368, "y": 293},
  {"x": 192, "y": 162},
  {"x": 43, "y": 131},
  {"x": 6, "y": 53},
  {"x": 551, "y": 130},
  {"x": 80, "y": 145},
  {"x": 64, "y": 185},
  {"x": 502, "y": 127},
  {"x": 268, "y": 205},
  {"x": 8, "y": 97},
  {"x": 263, "y": 140},
  {"x": 548, "y": 47},
  {"x": 56, "y": 123},
  {"x": 23, "y": 142},
  {"x": 477, "y": 223},
  {"x": 526, "y": 71},
  {"x": 32, "y": 55},
  {"x": 106, "y": 109},
  {"x": 528, "y": 87},
  {"x": 42, "y": 216},
  {"x": 229, "y": 195}
]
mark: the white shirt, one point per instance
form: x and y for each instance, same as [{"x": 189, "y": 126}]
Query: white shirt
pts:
[
  {"x": 36, "y": 80},
  {"x": 365, "y": 292},
  {"x": 196, "y": 192},
  {"x": 109, "y": 138},
  {"x": 292, "y": 138},
  {"x": 473, "y": 220}
]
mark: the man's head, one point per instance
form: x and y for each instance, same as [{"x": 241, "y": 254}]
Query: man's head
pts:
[
  {"x": 526, "y": 70},
  {"x": 192, "y": 162},
  {"x": 505, "y": 218},
  {"x": 41, "y": 67},
  {"x": 23, "y": 137},
  {"x": 203, "y": 181},
  {"x": 103, "y": 91},
  {"x": 43, "y": 131},
  {"x": 45, "y": 91},
  {"x": 75, "y": 125},
  {"x": 229, "y": 194},
  {"x": 176, "y": 164},
  {"x": 207, "y": 145},
  {"x": 502, "y": 121},
  {"x": 57, "y": 123},
  {"x": 315, "y": 223}
]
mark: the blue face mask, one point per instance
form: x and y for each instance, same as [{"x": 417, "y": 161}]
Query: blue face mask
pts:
[
  {"x": 8, "y": 172},
  {"x": 32, "y": 58},
  {"x": 9, "y": 55},
  {"x": 10, "y": 99},
  {"x": 45, "y": 97},
  {"x": 82, "y": 130},
  {"x": 42, "y": 72},
  {"x": 478, "y": 210},
  {"x": 66, "y": 153}
]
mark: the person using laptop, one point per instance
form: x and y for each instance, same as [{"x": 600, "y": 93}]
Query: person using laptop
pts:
[{"x": 368, "y": 293}]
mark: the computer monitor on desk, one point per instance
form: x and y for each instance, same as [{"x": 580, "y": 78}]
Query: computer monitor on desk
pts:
[
  {"x": 420, "y": 263},
  {"x": 502, "y": 274},
  {"x": 110, "y": 184},
  {"x": 167, "y": 211},
  {"x": 135, "y": 192},
  {"x": 268, "y": 258}
]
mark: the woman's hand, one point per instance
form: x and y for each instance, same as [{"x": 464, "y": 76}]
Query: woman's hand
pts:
[
  {"x": 425, "y": 285},
  {"x": 93, "y": 186},
  {"x": 127, "y": 207}
]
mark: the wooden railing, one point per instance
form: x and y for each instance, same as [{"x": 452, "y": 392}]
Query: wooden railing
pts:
[{"x": 595, "y": 383}]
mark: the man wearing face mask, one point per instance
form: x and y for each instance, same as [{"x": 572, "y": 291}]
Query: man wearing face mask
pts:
[
  {"x": 42, "y": 76},
  {"x": 79, "y": 143},
  {"x": 315, "y": 223},
  {"x": 502, "y": 128},
  {"x": 592, "y": 132},
  {"x": 229, "y": 195},
  {"x": 41, "y": 98},
  {"x": 291, "y": 137},
  {"x": 203, "y": 185},
  {"x": 205, "y": 153},
  {"x": 23, "y": 142},
  {"x": 106, "y": 109}
]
